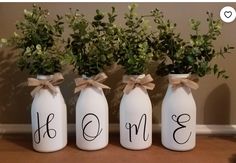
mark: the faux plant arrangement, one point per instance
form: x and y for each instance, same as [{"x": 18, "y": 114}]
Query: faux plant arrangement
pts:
[
  {"x": 93, "y": 43},
  {"x": 92, "y": 47},
  {"x": 193, "y": 56},
  {"x": 40, "y": 54},
  {"x": 39, "y": 42},
  {"x": 180, "y": 59},
  {"x": 134, "y": 54}
]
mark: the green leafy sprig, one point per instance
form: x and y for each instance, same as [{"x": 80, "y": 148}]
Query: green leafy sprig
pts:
[
  {"x": 39, "y": 42},
  {"x": 93, "y": 43},
  {"x": 193, "y": 56},
  {"x": 134, "y": 52}
]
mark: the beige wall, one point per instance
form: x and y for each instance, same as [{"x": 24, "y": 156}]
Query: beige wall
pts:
[{"x": 215, "y": 99}]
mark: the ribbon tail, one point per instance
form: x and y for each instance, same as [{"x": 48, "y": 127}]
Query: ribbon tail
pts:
[
  {"x": 100, "y": 85},
  {"x": 79, "y": 88},
  {"x": 52, "y": 89},
  {"x": 35, "y": 90},
  {"x": 192, "y": 85},
  {"x": 128, "y": 88}
]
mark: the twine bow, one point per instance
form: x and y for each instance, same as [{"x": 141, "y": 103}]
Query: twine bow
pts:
[
  {"x": 49, "y": 84},
  {"x": 132, "y": 82},
  {"x": 95, "y": 81},
  {"x": 188, "y": 82}
]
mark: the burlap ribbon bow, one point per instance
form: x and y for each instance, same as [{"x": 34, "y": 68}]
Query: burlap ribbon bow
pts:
[
  {"x": 178, "y": 82},
  {"x": 95, "y": 81},
  {"x": 144, "y": 83},
  {"x": 49, "y": 84}
]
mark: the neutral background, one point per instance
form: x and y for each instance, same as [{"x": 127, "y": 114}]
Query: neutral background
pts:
[{"x": 215, "y": 99}]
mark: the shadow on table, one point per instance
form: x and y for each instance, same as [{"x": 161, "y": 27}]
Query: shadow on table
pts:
[
  {"x": 114, "y": 139},
  {"x": 72, "y": 141},
  {"x": 156, "y": 140},
  {"x": 21, "y": 140}
]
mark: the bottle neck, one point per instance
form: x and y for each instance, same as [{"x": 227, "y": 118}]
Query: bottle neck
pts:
[
  {"x": 179, "y": 76},
  {"x": 44, "y": 77}
]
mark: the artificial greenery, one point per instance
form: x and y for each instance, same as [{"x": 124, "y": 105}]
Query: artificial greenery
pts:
[
  {"x": 39, "y": 42},
  {"x": 93, "y": 43},
  {"x": 134, "y": 52},
  {"x": 193, "y": 56}
]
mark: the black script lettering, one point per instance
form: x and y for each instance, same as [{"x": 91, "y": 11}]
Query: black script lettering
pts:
[
  {"x": 129, "y": 126},
  {"x": 92, "y": 118},
  {"x": 51, "y": 133},
  {"x": 182, "y": 126}
]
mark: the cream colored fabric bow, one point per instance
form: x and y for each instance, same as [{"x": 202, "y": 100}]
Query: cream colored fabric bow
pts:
[
  {"x": 95, "y": 81},
  {"x": 49, "y": 84},
  {"x": 132, "y": 82},
  {"x": 178, "y": 82}
]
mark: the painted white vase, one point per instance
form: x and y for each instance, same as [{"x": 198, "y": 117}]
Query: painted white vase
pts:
[
  {"x": 49, "y": 120},
  {"x": 92, "y": 119},
  {"x": 136, "y": 119},
  {"x": 178, "y": 118}
]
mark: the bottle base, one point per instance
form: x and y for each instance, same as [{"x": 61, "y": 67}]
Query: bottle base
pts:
[
  {"x": 50, "y": 151},
  {"x": 135, "y": 148},
  {"x": 92, "y": 149},
  {"x": 179, "y": 149}
]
